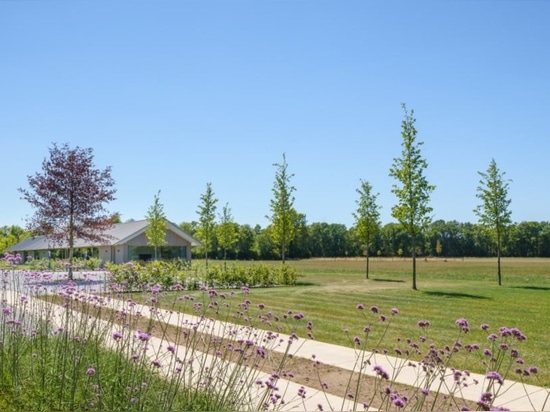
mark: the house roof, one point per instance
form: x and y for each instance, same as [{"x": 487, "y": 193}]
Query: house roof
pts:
[{"x": 118, "y": 234}]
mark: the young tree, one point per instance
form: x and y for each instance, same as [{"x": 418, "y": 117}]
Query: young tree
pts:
[
  {"x": 438, "y": 247},
  {"x": 156, "y": 232},
  {"x": 367, "y": 217},
  {"x": 493, "y": 212},
  {"x": 283, "y": 215},
  {"x": 207, "y": 219},
  {"x": 227, "y": 232},
  {"x": 69, "y": 198},
  {"x": 413, "y": 191},
  {"x": 11, "y": 235}
]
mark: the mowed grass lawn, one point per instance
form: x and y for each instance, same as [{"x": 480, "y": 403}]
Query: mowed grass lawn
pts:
[{"x": 329, "y": 291}]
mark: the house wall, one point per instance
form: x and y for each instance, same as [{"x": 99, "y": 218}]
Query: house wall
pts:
[
  {"x": 121, "y": 253},
  {"x": 106, "y": 254}
]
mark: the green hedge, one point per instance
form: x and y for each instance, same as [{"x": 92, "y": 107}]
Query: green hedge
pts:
[{"x": 177, "y": 273}]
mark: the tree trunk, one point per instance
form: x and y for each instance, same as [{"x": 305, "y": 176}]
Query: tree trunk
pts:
[
  {"x": 498, "y": 261},
  {"x": 414, "y": 262},
  {"x": 367, "y": 269}
]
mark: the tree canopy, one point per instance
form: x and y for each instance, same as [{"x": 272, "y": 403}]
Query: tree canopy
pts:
[
  {"x": 156, "y": 232},
  {"x": 283, "y": 215},
  {"x": 412, "y": 189},
  {"x": 494, "y": 212},
  {"x": 69, "y": 197},
  {"x": 367, "y": 217},
  {"x": 207, "y": 219}
]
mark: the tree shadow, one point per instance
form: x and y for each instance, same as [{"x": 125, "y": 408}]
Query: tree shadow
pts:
[
  {"x": 532, "y": 287},
  {"x": 388, "y": 280},
  {"x": 454, "y": 295},
  {"x": 307, "y": 284}
]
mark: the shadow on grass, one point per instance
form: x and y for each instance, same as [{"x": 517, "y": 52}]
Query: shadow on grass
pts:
[
  {"x": 307, "y": 284},
  {"x": 454, "y": 295},
  {"x": 388, "y": 280},
  {"x": 532, "y": 287}
]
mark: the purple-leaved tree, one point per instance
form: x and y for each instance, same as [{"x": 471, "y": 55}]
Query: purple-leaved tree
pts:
[{"x": 69, "y": 198}]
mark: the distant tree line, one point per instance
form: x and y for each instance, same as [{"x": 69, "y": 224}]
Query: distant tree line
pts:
[{"x": 444, "y": 239}]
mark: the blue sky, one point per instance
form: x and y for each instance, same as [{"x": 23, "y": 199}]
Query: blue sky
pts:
[{"x": 176, "y": 94}]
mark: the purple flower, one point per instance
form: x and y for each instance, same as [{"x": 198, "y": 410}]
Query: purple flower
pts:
[
  {"x": 504, "y": 331},
  {"x": 90, "y": 372},
  {"x": 533, "y": 369},
  {"x": 400, "y": 403},
  {"x": 494, "y": 375},
  {"x": 374, "y": 309},
  {"x": 394, "y": 311},
  {"x": 381, "y": 372},
  {"x": 357, "y": 340},
  {"x": 117, "y": 336},
  {"x": 360, "y": 306},
  {"x": 143, "y": 336},
  {"x": 156, "y": 364},
  {"x": 463, "y": 323},
  {"x": 484, "y": 326},
  {"x": 423, "y": 323}
]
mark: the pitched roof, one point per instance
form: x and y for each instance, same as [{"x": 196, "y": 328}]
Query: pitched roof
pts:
[{"x": 118, "y": 234}]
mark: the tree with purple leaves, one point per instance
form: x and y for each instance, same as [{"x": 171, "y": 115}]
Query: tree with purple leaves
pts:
[{"x": 69, "y": 198}]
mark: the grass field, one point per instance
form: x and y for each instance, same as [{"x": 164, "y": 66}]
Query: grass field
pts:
[{"x": 329, "y": 291}]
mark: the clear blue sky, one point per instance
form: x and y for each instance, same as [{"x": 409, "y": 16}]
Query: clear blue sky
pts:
[{"x": 176, "y": 94}]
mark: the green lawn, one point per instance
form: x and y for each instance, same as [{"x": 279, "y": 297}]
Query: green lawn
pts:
[{"x": 329, "y": 291}]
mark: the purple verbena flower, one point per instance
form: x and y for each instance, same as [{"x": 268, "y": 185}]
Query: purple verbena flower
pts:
[
  {"x": 143, "y": 336},
  {"x": 494, "y": 375},
  {"x": 381, "y": 372},
  {"x": 463, "y": 323}
]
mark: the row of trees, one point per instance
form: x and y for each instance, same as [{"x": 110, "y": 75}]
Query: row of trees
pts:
[
  {"x": 412, "y": 211},
  {"x": 70, "y": 197}
]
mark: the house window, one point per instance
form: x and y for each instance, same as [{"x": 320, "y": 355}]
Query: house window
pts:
[{"x": 164, "y": 252}]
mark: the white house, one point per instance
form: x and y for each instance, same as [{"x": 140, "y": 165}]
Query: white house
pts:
[{"x": 125, "y": 242}]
